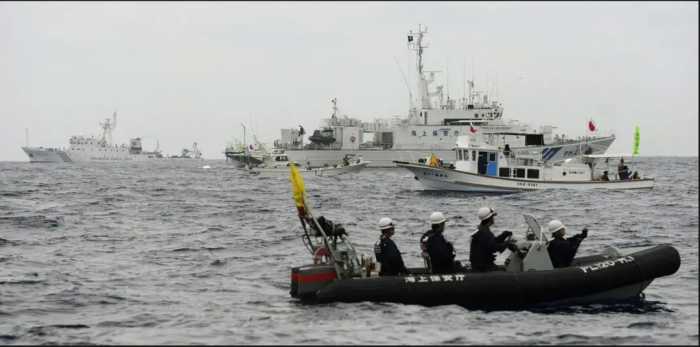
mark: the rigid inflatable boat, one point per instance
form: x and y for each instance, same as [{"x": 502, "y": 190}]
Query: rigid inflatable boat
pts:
[
  {"x": 594, "y": 279},
  {"x": 526, "y": 279}
]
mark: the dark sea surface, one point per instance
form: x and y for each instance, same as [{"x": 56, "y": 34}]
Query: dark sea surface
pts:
[{"x": 171, "y": 253}]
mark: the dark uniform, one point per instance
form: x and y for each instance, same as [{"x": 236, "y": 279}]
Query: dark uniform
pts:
[
  {"x": 483, "y": 247},
  {"x": 389, "y": 257},
  {"x": 562, "y": 251},
  {"x": 441, "y": 252}
]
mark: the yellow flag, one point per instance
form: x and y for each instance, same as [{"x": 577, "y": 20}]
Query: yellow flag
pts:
[
  {"x": 297, "y": 185},
  {"x": 433, "y": 160}
]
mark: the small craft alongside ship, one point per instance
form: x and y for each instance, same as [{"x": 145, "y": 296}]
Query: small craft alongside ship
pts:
[
  {"x": 526, "y": 279},
  {"x": 277, "y": 164},
  {"x": 246, "y": 155},
  {"x": 187, "y": 153}
]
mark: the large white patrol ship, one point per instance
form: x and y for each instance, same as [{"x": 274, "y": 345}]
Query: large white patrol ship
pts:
[
  {"x": 432, "y": 127},
  {"x": 92, "y": 148}
]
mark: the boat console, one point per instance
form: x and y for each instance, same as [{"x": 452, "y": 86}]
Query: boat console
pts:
[{"x": 532, "y": 254}]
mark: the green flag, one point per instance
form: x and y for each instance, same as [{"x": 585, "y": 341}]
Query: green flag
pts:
[{"x": 635, "y": 150}]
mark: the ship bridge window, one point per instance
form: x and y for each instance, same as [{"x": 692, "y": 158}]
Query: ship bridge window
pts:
[
  {"x": 533, "y": 173},
  {"x": 459, "y": 154},
  {"x": 413, "y": 132},
  {"x": 473, "y": 155},
  {"x": 445, "y": 132},
  {"x": 504, "y": 172},
  {"x": 520, "y": 173},
  {"x": 492, "y": 156},
  {"x": 434, "y": 132}
]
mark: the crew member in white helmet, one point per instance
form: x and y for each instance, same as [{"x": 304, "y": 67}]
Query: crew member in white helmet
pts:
[
  {"x": 561, "y": 250},
  {"x": 387, "y": 253},
  {"x": 484, "y": 244},
  {"x": 440, "y": 251}
]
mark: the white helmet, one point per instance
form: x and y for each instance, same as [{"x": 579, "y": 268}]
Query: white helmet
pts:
[
  {"x": 486, "y": 212},
  {"x": 385, "y": 223},
  {"x": 555, "y": 225},
  {"x": 437, "y": 218}
]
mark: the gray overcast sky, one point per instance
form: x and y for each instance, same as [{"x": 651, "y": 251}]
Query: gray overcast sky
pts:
[{"x": 182, "y": 72}]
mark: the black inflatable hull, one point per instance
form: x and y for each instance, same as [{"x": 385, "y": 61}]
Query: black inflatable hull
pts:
[{"x": 590, "y": 280}]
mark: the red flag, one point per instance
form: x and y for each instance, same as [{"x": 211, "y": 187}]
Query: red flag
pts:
[
  {"x": 591, "y": 125},
  {"x": 472, "y": 129}
]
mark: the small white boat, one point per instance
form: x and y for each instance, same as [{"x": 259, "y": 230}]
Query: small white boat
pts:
[
  {"x": 278, "y": 165},
  {"x": 483, "y": 168}
]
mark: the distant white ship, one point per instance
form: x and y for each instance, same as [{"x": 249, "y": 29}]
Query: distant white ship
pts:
[
  {"x": 431, "y": 127},
  {"x": 84, "y": 148}
]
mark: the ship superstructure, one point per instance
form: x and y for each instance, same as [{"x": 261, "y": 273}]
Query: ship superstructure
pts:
[{"x": 433, "y": 123}]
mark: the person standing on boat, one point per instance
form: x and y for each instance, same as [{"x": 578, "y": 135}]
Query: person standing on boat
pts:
[
  {"x": 387, "y": 253},
  {"x": 484, "y": 244},
  {"x": 440, "y": 251},
  {"x": 561, "y": 250},
  {"x": 621, "y": 169},
  {"x": 506, "y": 151}
]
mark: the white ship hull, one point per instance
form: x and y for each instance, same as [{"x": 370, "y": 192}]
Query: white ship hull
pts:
[
  {"x": 433, "y": 178},
  {"x": 55, "y": 155},
  {"x": 386, "y": 158},
  {"x": 46, "y": 155}
]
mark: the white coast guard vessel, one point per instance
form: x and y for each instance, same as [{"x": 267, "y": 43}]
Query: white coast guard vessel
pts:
[
  {"x": 484, "y": 168},
  {"x": 431, "y": 127},
  {"x": 92, "y": 148}
]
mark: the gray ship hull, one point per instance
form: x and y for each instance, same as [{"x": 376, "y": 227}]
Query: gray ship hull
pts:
[
  {"x": 386, "y": 158},
  {"x": 56, "y": 155}
]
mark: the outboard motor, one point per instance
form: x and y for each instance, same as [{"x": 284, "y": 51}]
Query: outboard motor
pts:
[
  {"x": 331, "y": 229},
  {"x": 308, "y": 279}
]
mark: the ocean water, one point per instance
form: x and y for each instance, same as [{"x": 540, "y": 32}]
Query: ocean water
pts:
[{"x": 171, "y": 253}]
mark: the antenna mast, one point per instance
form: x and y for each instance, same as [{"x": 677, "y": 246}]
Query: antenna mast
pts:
[
  {"x": 107, "y": 127},
  {"x": 245, "y": 143},
  {"x": 464, "y": 82},
  {"x": 447, "y": 80},
  {"x": 415, "y": 42},
  {"x": 335, "y": 108}
]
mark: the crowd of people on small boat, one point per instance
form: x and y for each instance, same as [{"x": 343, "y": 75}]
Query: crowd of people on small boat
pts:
[{"x": 439, "y": 254}]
